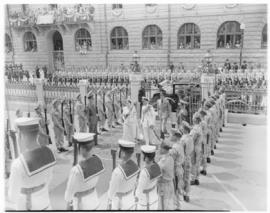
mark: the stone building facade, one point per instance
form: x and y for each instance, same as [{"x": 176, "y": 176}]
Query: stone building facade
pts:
[{"x": 109, "y": 34}]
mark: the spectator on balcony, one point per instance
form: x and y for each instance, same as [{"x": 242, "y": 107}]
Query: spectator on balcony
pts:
[
  {"x": 235, "y": 67},
  {"x": 227, "y": 64},
  {"x": 244, "y": 66},
  {"x": 37, "y": 72}
]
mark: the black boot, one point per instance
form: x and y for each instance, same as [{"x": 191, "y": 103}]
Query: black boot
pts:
[
  {"x": 220, "y": 130},
  {"x": 192, "y": 182},
  {"x": 215, "y": 147},
  {"x": 212, "y": 152},
  {"x": 208, "y": 160},
  {"x": 186, "y": 198},
  {"x": 197, "y": 182},
  {"x": 203, "y": 172}
]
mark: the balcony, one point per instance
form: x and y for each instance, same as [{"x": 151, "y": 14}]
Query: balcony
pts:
[{"x": 52, "y": 16}]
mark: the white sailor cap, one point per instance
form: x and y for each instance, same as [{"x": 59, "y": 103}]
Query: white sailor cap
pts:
[
  {"x": 148, "y": 149},
  {"x": 126, "y": 144},
  {"x": 27, "y": 124},
  {"x": 83, "y": 137}
]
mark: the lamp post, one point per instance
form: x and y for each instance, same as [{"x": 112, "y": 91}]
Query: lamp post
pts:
[
  {"x": 209, "y": 59},
  {"x": 135, "y": 59},
  {"x": 242, "y": 28}
]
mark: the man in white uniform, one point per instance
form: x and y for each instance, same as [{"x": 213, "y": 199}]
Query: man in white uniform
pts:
[
  {"x": 146, "y": 193},
  {"x": 81, "y": 191},
  {"x": 32, "y": 171},
  {"x": 123, "y": 180},
  {"x": 147, "y": 120}
]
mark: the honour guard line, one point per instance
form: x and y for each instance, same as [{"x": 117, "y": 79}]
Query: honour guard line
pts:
[{"x": 152, "y": 185}]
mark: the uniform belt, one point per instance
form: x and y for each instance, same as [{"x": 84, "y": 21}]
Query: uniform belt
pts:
[
  {"x": 120, "y": 195},
  {"x": 80, "y": 195},
  {"x": 163, "y": 180},
  {"x": 28, "y": 192}
]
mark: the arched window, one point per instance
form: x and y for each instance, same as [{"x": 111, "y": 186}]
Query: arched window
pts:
[
  {"x": 189, "y": 36},
  {"x": 30, "y": 42},
  {"x": 152, "y": 37},
  {"x": 229, "y": 35},
  {"x": 264, "y": 37},
  {"x": 8, "y": 43},
  {"x": 83, "y": 40},
  {"x": 119, "y": 38}
]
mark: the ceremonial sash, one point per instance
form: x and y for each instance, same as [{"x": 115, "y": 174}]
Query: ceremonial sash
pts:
[
  {"x": 153, "y": 171},
  {"x": 129, "y": 169},
  {"x": 90, "y": 167},
  {"x": 37, "y": 160}
]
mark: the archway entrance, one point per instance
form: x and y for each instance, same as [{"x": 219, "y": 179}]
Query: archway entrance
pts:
[{"x": 57, "y": 51}]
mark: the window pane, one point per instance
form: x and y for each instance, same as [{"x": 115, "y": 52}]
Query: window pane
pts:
[
  {"x": 114, "y": 32},
  {"x": 83, "y": 40},
  {"x": 221, "y": 41},
  {"x": 197, "y": 42},
  {"x": 181, "y": 42},
  {"x": 182, "y": 30},
  {"x": 189, "y": 28},
  {"x": 196, "y": 29},
  {"x": 188, "y": 42},
  {"x": 145, "y": 43}
]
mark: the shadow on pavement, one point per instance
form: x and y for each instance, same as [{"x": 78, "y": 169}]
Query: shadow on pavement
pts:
[
  {"x": 225, "y": 176},
  {"x": 226, "y": 155}
]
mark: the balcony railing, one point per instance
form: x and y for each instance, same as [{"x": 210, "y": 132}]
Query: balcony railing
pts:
[{"x": 50, "y": 16}]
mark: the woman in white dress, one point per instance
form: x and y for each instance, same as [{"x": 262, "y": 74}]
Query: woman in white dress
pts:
[{"x": 130, "y": 121}]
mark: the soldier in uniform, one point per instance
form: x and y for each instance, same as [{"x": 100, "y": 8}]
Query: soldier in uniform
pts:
[
  {"x": 43, "y": 137},
  {"x": 188, "y": 148},
  {"x": 32, "y": 171},
  {"x": 204, "y": 141},
  {"x": 164, "y": 111},
  {"x": 109, "y": 109},
  {"x": 196, "y": 134},
  {"x": 123, "y": 180},
  {"x": 146, "y": 193},
  {"x": 165, "y": 183},
  {"x": 147, "y": 120},
  {"x": 81, "y": 191},
  {"x": 91, "y": 114},
  {"x": 207, "y": 106},
  {"x": 177, "y": 153},
  {"x": 80, "y": 111},
  {"x": 57, "y": 126},
  {"x": 68, "y": 123}
]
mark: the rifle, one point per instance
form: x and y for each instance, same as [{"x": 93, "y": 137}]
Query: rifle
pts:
[
  {"x": 7, "y": 139},
  {"x": 104, "y": 108},
  {"x": 113, "y": 153},
  {"x": 62, "y": 117},
  {"x": 70, "y": 112},
  {"x": 46, "y": 126},
  {"x": 114, "y": 109},
  {"x": 121, "y": 106}
]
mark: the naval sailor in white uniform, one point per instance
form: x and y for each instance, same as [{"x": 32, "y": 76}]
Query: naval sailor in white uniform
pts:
[
  {"x": 81, "y": 193},
  {"x": 146, "y": 193},
  {"x": 32, "y": 171},
  {"x": 123, "y": 180}
]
